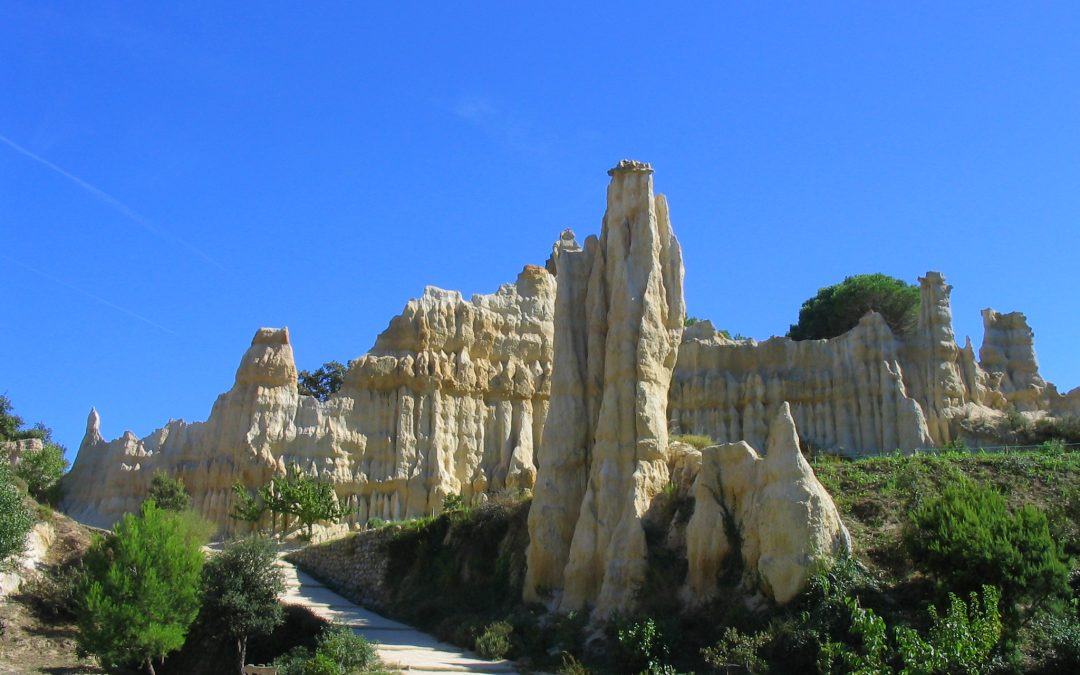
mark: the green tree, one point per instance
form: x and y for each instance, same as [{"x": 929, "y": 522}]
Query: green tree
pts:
[
  {"x": 169, "y": 493},
  {"x": 10, "y": 423},
  {"x": 315, "y": 502},
  {"x": 241, "y": 588},
  {"x": 302, "y": 496},
  {"x": 15, "y": 518},
  {"x": 42, "y": 470},
  {"x": 247, "y": 507},
  {"x": 837, "y": 309},
  {"x": 966, "y": 536},
  {"x": 323, "y": 382},
  {"x": 142, "y": 588}
]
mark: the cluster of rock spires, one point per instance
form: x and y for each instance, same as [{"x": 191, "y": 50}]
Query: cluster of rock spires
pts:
[{"x": 568, "y": 382}]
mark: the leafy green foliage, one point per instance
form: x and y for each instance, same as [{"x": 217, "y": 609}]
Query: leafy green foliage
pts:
[
  {"x": 644, "y": 648},
  {"x": 142, "y": 588},
  {"x": 298, "y": 494},
  {"x": 169, "y": 493},
  {"x": 339, "y": 651},
  {"x": 737, "y": 650},
  {"x": 41, "y": 470},
  {"x": 323, "y": 382},
  {"x": 837, "y": 309},
  {"x": 247, "y": 507},
  {"x": 350, "y": 652},
  {"x": 494, "y": 641},
  {"x": 967, "y": 535},
  {"x": 241, "y": 585},
  {"x": 961, "y": 641},
  {"x": 11, "y": 425},
  {"x": 453, "y": 503},
  {"x": 15, "y": 518}
]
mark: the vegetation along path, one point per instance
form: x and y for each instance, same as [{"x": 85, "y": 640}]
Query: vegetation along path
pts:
[{"x": 399, "y": 646}]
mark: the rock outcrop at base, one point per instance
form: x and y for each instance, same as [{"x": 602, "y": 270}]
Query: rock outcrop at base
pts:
[
  {"x": 769, "y": 510},
  {"x": 449, "y": 401},
  {"x": 619, "y": 318}
]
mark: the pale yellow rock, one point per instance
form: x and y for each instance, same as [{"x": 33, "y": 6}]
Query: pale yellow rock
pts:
[
  {"x": 616, "y": 340},
  {"x": 787, "y": 522},
  {"x": 454, "y": 399},
  {"x": 449, "y": 401}
]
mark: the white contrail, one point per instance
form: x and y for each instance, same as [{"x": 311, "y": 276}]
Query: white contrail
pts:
[
  {"x": 120, "y": 206},
  {"x": 88, "y": 294}
]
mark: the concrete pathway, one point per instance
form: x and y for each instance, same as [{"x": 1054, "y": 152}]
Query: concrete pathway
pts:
[{"x": 400, "y": 646}]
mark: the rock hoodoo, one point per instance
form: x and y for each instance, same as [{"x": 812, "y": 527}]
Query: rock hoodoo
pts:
[
  {"x": 786, "y": 522},
  {"x": 619, "y": 319}
]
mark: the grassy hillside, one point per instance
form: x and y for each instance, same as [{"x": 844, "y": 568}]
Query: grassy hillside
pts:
[{"x": 459, "y": 575}]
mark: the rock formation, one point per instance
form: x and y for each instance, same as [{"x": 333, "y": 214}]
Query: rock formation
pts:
[
  {"x": 448, "y": 401},
  {"x": 771, "y": 511},
  {"x": 453, "y": 399},
  {"x": 619, "y": 318}
]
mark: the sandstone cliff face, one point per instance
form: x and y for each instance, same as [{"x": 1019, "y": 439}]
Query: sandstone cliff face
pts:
[
  {"x": 449, "y": 401},
  {"x": 454, "y": 397},
  {"x": 615, "y": 348},
  {"x": 786, "y": 522},
  {"x": 867, "y": 390}
]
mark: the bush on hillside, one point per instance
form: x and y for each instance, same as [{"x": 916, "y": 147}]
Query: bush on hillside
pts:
[
  {"x": 41, "y": 470},
  {"x": 15, "y": 518},
  {"x": 837, "y": 309},
  {"x": 169, "y": 493},
  {"x": 967, "y": 536},
  {"x": 494, "y": 641},
  {"x": 338, "y": 651}
]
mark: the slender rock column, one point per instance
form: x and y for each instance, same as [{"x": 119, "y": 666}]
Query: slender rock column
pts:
[{"x": 613, "y": 366}]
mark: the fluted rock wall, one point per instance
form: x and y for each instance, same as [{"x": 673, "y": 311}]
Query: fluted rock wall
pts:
[
  {"x": 454, "y": 395},
  {"x": 615, "y": 348},
  {"x": 449, "y": 401},
  {"x": 867, "y": 390}
]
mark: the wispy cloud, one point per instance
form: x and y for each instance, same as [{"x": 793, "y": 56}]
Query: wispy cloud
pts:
[
  {"x": 115, "y": 203},
  {"x": 88, "y": 294},
  {"x": 512, "y": 131}
]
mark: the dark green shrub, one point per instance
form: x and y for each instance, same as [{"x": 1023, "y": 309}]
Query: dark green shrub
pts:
[
  {"x": 494, "y": 641},
  {"x": 350, "y": 652},
  {"x": 15, "y": 518},
  {"x": 168, "y": 493},
  {"x": 737, "y": 650},
  {"x": 643, "y": 647},
  {"x": 322, "y": 383},
  {"x": 41, "y": 470},
  {"x": 453, "y": 503},
  {"x": 837, "y": 309},
  {"x": 960, "y": 641},
  {"x": 376, "y": 522},
  {"x": 338, "y": 651},
  {"x": 967, "y": 537}
]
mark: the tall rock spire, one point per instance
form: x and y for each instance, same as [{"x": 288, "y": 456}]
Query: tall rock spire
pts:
[{"x": 618, "y": 323}]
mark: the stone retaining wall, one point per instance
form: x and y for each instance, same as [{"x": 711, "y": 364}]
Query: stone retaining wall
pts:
[{"x": 354, "y": 565}]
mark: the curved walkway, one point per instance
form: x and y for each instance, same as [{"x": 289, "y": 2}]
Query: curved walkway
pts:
[{"x": 400, "y": 647}]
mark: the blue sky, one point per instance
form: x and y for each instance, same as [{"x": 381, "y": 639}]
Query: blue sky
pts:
[{"x": 172, "y": 178}]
